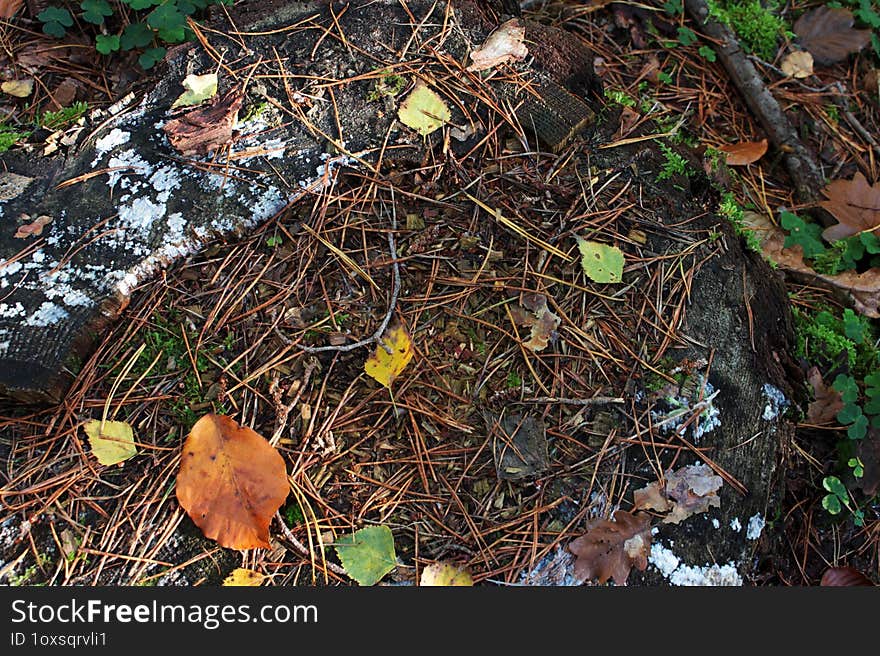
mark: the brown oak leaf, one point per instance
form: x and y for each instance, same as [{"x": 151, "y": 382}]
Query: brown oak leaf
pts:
[
  {"x": 844, "y": 577},
  {"x": 535, "y": 314},
  {"x": 855, "y": 204},
  {"x": 204, "y": 130},
  {"x": 827, "y": 401},
  {"x": 693, "y": 489},
  {"x": 828, "y": 34},
  {"x": 609, "y": 550}
]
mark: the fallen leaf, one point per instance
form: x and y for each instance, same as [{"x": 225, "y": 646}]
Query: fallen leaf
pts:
[
  {"x": 855, "y": 204},
  {"x": 205, "y": 129},
  {"x": 18, "y": 88},
  {"x": 693, "y": 490},
  {"x": 445, "y": 574},
  {"x": 535, "y": 314},
  {"x": 368, "y": 554},
  {"x": 243, "y": 577},
  {"x": 689, "y": 491},
  {"x": 609, "y": 550},
  {"x": 828, "y": 34},
  {"x": 827, "y": 402},
  {"x": 503, "y": 45},
  {"x": 745, "y": 152},
  {"x": 601, "y": 263},
  {"x": 9, "y": 7},
  {"x": 231, "y": 482},
  {"x": 198, "y": 89},
  {"x": 844, "y": 577},
  {"x": 628, "y": 119},
  {"x": 423, "y": 110},
  {"x": 863, "y": 288},
  {"x": 651, "y": 497},
  {"x": 384, "y": 366},
  {"x": 34, "y": 228},
  {"x": 63, "y": 94},
  {"x": 797, "y": 64},
  {"x": 112, "y": 442}
]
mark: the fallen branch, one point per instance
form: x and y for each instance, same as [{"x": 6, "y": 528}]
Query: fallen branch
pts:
[{"x": 801, "y": 166}]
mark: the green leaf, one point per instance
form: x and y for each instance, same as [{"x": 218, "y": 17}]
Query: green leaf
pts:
[
  {"x": 151, "y": 57},
  {"x": 55, "y": 20},
  {"x": 198, "y": 89},
  {"x": 94, "y": 12},
  {"x": 846, "y": 385},
  {"x": 423, "y": 110},
  {"x": 707, "y": 53},
  {"x": 859, "y": 428},
  {"x": 141, "y": 4},
  {"x": 112, "y": 442},
  {"x": 672, "y": 7},
  {"x": 835, "y": 486},
  {"x": 853, "y": 326},
  {"x": 850, "y": 413},
  {"x": 871, "y": 242},
  {"x": 166, "y": 17},
  {"x": 368, "y": 555},
  {"x": 107, "y": 43},
  {"x": 807, "y": 235},
  {"x": 601, "y": 263},
  {"x": 686, "y": 36},
  {"x": 136, "y": 35},
  {"x": 831, "y": 503},
  {"x": 172, "y": 35}
]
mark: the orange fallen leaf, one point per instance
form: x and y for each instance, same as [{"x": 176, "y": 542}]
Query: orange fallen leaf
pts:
[
  {"x": 231, "y": 482},
  {"x": 745, "y": 152},
  {"x": 9, "y": 7},
  {"x": 855, "y": 204}
]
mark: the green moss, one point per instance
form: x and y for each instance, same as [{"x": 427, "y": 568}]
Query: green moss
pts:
[
  {"x": 756, "y": 25},
  {"x": 9, "y": 136},
  {"x": 674, "y": 165},
  {"x": 730, "y": 209},
  {"x": 64, "y": 117},
  {"x": 825, "y": 339},
  {"x": 389, "y": 84}
]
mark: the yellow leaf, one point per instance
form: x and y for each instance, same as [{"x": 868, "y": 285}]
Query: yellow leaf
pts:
[
  {"x": 18, "y": 88},
  {"x": 423, "y": 110},
  {"x": 111, "y": 443},
  {"x": 385, "y": 366},
  {"x": 243, "y": 577},
  {"x": 198, "y": 89},
  {"x": 445, "y": 574}
]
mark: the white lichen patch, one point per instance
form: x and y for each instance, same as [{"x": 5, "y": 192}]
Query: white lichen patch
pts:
[
  {"x": 715, "y": 523},
  {"x": 129, "y": 166},
  {"x": 164, "y": 181},
  {"x": 46, "y": 315},
  {"x": 11, "y": 311},
  {"x": 735, "y": 525},
  {"x": 108, "y": 142},
  {"x": 755, "y": 527},
  {"x": 140, "y": 216},
  {"x": 671, "y": 567},
  {"x": 776, "y": 402}
]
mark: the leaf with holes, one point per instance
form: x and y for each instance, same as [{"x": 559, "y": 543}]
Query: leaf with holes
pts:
[
  {"x": 244, "y": 578},
  {"x": 368, "y": 554},
  {"x": 609, "y": 550},
  {"x": 423, "y": 110},
  {"x": 828, "y": 34},
  {"x": 385, "y": 365},
  {"x": 445, "y": 575},
  {"x": 231, "y": 482},
  {"x": 856, "y": 206},
  {"x": 743, "y": 153},
  {"x": 601, "y": 263},
  {"x": 112, "y": 442}
]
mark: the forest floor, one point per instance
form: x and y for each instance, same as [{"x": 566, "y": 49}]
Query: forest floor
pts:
[{"x": 219, "y": 333}]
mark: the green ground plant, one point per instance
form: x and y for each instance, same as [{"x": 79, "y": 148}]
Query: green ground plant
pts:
[{"x": 123, "y": 25}]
